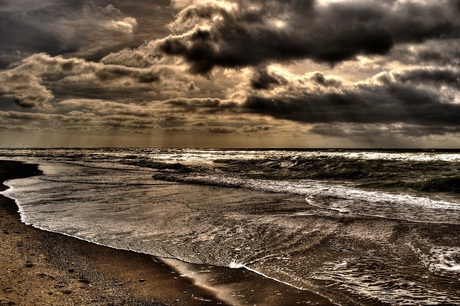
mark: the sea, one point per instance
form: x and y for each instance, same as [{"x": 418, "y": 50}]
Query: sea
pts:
[{"x": 374, "y": 226}]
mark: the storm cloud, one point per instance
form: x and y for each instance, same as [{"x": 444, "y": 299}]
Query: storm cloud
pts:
[
  {"x": 192, "y": 69},
  {"x": 250, "y": 33},
  {"x": 87, "y": 29},
  {"x": 40, "y": 78},
  {"x": 409, "y": 96}
]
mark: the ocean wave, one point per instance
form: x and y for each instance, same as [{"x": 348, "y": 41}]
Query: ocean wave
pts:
[
  {"x": 161, "y": 166},
  {"x": 337, "y": 197},
  {"x": 443, "y": 184},
  {"x": 302, "y": 221}
]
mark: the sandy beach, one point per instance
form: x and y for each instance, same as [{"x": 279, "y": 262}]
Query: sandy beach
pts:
[{"x": 43, "y": 268}]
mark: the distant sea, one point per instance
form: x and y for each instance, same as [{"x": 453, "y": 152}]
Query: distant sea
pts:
[{"x": 376, "y": 226}]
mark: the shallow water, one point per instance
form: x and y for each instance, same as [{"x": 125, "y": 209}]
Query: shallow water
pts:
[{"x": 306, "y": 218}]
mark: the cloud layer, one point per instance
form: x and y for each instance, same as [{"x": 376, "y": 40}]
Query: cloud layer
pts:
[
  {"x": 88, "y": 29},
  {"x": 224, "y": 34},
  {"x": 221, "y": 67},
  {"x": 419, "y": 96}
]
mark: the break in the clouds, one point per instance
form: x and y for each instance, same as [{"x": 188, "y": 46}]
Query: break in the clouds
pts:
[{"x": 313, "y": 71}]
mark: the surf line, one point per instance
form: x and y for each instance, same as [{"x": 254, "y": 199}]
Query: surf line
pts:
[
  {"x": 186, "y": 269},
  {"x": 235, "y": 265}
]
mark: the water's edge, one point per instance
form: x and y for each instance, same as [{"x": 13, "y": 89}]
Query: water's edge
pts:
[
  {"x": 175, "y": 264},
  {"x": 358, "y": 230}
]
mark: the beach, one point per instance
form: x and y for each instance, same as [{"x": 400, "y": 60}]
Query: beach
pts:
[{"x": 44, "y": 268}]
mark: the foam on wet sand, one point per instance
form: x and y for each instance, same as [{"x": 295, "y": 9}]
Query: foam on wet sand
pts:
[{"x": 39, "y": 267}]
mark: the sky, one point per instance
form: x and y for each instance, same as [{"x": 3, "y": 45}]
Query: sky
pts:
[{"x": 230, "y": 73}]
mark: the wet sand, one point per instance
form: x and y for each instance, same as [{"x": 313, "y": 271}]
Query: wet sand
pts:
[{"x": 43, "y": 268}]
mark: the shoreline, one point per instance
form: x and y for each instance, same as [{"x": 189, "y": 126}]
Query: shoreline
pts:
[{"x": 41, "y": 268}]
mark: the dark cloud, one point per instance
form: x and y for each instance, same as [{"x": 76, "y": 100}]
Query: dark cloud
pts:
[
  {"x": 255, "y": 129},
  {"x": 18, "y": 37},
  {"x": 24, "y": 88},
  {"x": 222, "y": 129},
  {"x": 151, "y": 16},
  {"x": 40, "y": 78},
  {"x": 81, "y": 120},
  {"x": 445, "y": 52},
  {"x": 90, "y": 28},
  {"x": 408, "y": 96},
  {"x": 366, "y": 106},
  {"x": 202, "y": 105},
  {"x": 381, "y": 131},
  {"x": 264, "y": 80},
  {"x": 435, "y": 76},
  {"x": 251, "y": 33}
]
